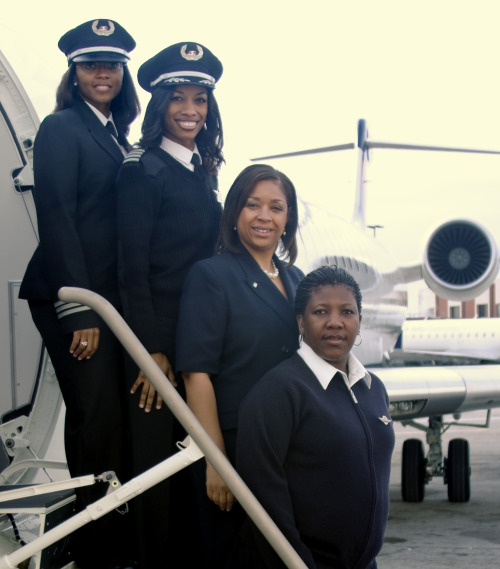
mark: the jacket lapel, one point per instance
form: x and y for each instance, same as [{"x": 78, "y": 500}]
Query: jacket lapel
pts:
[
  {"x": 266, "y": 291},
  {"x": 99, "y": 132}
]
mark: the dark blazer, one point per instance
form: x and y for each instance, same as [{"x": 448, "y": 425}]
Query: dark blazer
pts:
[
  {"x": 76, "y": 161},
  {"x": 75, "y": 165},
  {"x": 235, "y": 325}
]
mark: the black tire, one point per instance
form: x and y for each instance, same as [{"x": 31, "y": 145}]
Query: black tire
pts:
[
  {"x": 458, "y": 471},
  {"x": 413, "y": 471}
]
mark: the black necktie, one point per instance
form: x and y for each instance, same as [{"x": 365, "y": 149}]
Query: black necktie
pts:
[
  {"x": 196, "y": 162},
  {"x": 110, "y": 127}
]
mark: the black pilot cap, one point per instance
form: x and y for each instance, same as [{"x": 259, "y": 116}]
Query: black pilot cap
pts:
[
  {"x": 97, "y": 40},
  {"x": 184, "y": 63}
]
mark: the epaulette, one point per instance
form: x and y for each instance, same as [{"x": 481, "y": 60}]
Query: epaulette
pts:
[
  {"x": 134, "y": 155},
  {"x": 151, "y": 163}
]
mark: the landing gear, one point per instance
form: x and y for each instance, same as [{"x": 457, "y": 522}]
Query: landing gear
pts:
[
  {"x": 413, "y": 471},
  {"x": 418, "y": 470},
  {"x": 457, "y": 471}
]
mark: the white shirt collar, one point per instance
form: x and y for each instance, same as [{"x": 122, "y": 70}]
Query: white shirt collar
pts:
[
  {"x": 100, "y": 116},
  {"x": 325, "y": 371},
  {"x": 104, "y": 120},
  {"x": 179, "y": 152}
]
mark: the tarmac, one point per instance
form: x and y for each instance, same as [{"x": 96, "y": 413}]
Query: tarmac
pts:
[{"x": 437, "y": 533}]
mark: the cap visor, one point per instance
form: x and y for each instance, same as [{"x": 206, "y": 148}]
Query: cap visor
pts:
[{"x": 100, "y": 56}]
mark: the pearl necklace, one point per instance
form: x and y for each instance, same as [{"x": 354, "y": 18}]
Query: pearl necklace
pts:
[{"x": 275, "y": 273}]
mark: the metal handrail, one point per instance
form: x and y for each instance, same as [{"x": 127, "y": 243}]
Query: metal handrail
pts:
[{"x": 193, "y": 427}]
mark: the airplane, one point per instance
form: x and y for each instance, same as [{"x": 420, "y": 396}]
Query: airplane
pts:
[
  {"x": 31, "y": 405},
  {"x": 448, "y": 340}
]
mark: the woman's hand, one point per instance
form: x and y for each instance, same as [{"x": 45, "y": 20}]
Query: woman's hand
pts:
[
  {"x": 201, "y": 400},
  {"x": 148, "y": 391},
  {"x": 85, "y": 343},
  {"x": 217, "y": 491}
]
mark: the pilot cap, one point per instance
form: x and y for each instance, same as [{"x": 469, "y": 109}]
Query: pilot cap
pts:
[
  {"x": 97, "y": 40},
  {"x": 185, "y": 63}
]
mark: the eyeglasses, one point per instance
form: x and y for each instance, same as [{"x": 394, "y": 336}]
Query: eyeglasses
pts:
[{"x": 95, "y": 65}]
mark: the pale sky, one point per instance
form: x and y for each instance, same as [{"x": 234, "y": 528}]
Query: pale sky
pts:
[{"x": 299, "y": 75}]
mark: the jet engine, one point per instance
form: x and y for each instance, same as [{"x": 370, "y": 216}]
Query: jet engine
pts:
[{"x": 460, "y": 260}]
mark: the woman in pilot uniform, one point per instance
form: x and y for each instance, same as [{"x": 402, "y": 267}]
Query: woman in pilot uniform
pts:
[
  {"x": 236, "y": 322},
  {"x": 78, "y": 151},
  {"x": 168, "y": 218}
]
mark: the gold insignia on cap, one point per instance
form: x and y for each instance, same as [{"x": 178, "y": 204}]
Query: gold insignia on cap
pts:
[
  {"x": 103, "y": 30},
  {"x": 192, "y": 55}
]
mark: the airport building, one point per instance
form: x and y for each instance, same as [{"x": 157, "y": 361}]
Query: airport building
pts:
[{"x": 423, "y": 303}]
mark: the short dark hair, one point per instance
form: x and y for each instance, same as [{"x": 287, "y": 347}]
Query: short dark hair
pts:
[
  {"x": 237, "y": 197},
  {"x": 125, "y": 106},
  {"x": 326, "y": 275},
  {"x": 209, "y": 140}
]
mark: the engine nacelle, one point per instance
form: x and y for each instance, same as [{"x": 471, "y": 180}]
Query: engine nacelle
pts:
[{"x": 460, "y": 260}]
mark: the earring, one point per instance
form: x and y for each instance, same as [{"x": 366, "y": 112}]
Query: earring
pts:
[
  {"x": 234, "y": 228},
  {"x": 301, "y": 339},
  {"x": 284, "y": 233},
  {"x": 360, "y": 339},
  {"x": 75, "y": 84}
]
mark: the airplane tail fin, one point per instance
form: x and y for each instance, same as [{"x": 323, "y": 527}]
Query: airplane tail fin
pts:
[
  {"x": 359, "y": 201},
  {"x": 364, "y": 145}
]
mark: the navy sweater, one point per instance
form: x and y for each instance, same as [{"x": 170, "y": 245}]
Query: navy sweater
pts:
[{"x": 319, "y": 463}]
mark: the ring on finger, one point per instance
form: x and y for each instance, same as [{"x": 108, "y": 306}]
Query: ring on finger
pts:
[{"x": 84, "y": 344}]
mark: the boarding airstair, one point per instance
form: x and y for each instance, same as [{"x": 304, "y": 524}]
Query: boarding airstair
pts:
[{"x": 43, "y": 499}]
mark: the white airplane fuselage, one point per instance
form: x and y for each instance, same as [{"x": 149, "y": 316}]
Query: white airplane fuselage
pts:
[{"x": 467, "y": 339}]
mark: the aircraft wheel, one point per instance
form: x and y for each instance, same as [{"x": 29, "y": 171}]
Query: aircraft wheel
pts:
[
  {"x": 458, "y": 471},
  {"x": 413, "y": 471}
]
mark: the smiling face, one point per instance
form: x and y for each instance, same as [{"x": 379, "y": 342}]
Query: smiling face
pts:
[
  {"x": 186, "y": 114},
  {"x": 330, "y": 323},
  {"x": 99, "y": 83},
  {"x": 263, "y": 218}
]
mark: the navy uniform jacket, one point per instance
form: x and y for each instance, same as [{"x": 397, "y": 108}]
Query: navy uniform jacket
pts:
[
  {"x": 234, "y": 324},
  {"x": 76, "y": 162},
  {"x": 168, "y": 219}
]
